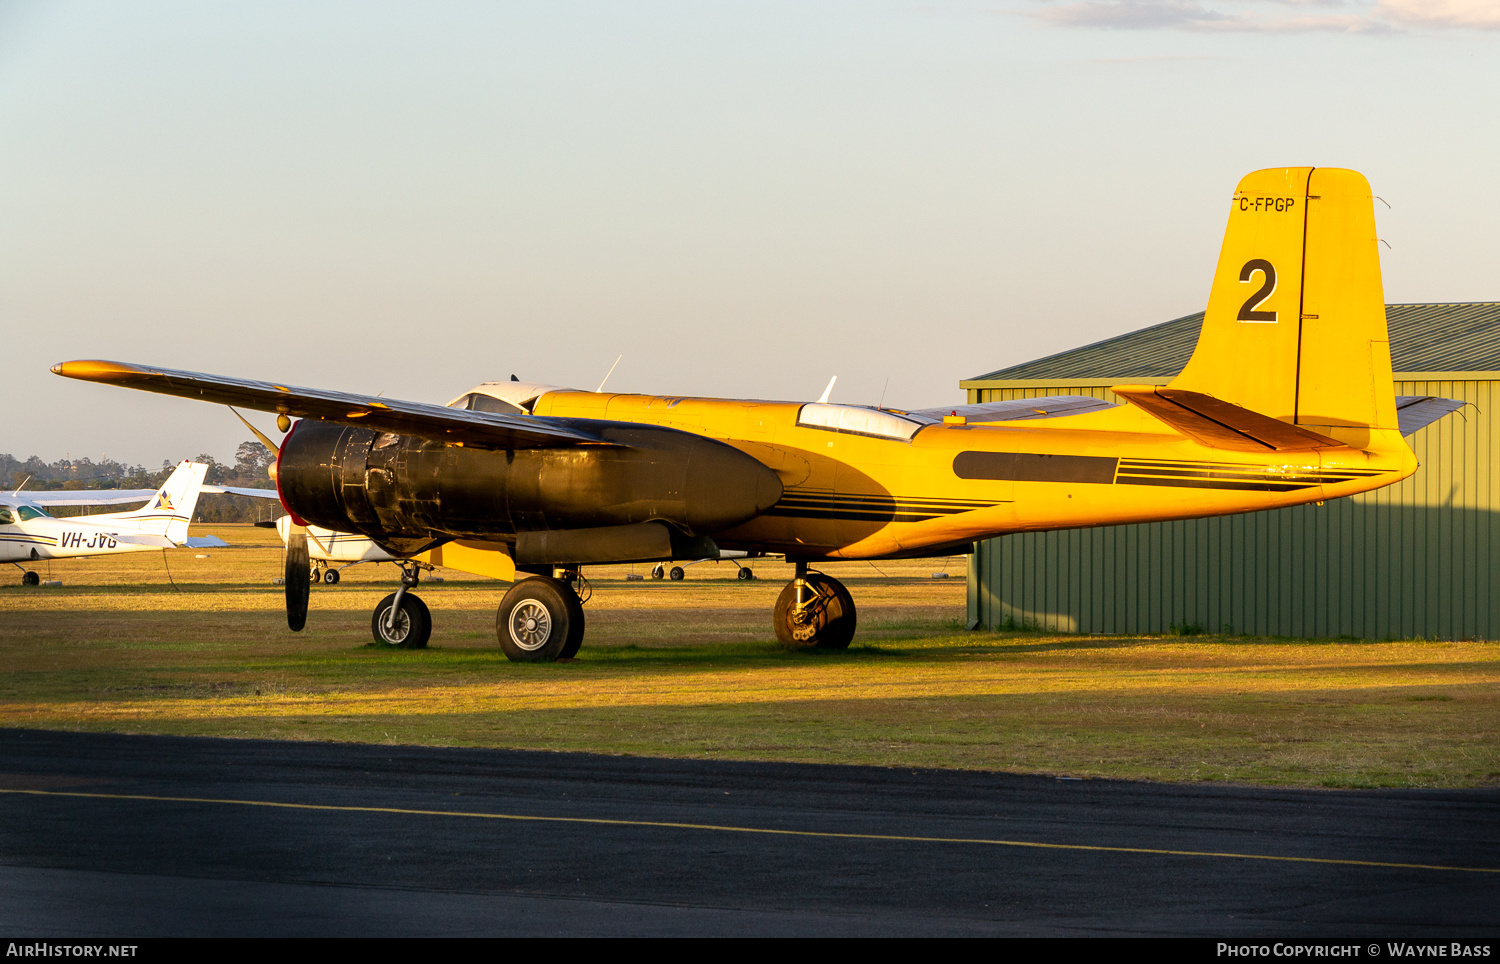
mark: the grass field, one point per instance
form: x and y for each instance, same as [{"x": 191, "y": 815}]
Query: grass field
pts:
[{"x": 692, "y": 669}]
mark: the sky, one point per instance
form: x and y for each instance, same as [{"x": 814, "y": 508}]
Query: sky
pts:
[{"x": 741, "y": 199}]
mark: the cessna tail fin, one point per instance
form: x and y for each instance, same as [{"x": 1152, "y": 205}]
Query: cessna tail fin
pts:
[
  {"x": 1295, "y": 327},
  {"x": 171, "y": 509}
]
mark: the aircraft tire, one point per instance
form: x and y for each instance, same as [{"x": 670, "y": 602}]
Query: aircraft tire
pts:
[
  {"x": 831, "y": 621},
  {"x": 657, "y": 572},
  {"x": 29, "y": 578},
  {"x": 745, "y": 573},
  {"x": 538, "y": 619},
  {"x": 331, "y": 577},
  {"x": 413, "y": 623},
  {"x": 677, "y": 574}
]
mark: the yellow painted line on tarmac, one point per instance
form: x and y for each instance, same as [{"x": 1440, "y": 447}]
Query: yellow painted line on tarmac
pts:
[{"x": 769, "y": 831}]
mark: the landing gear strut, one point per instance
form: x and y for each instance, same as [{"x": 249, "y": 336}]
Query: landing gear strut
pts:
[
  {"x": 541, "y": 619},
  {"x": 402, "y": 619},
  {"x": 814, "y": 610}
]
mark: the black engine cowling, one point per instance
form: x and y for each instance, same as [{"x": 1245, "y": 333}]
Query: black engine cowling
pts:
[{"x": 409, "y": 493}]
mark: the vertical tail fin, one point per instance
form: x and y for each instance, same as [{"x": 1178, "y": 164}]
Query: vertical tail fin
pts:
[
  {"x": 171, "y": 509},
  {"x": 1295, "y": 327}
]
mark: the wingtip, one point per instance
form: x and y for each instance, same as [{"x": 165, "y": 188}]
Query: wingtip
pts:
[{"x": 96, "y": 370}]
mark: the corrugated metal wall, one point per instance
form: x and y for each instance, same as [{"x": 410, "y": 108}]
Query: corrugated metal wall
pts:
[{"x": 1417, "y": 559}]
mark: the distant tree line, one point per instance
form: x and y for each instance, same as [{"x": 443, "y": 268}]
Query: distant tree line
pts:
[{"x": 251, "y": 462}]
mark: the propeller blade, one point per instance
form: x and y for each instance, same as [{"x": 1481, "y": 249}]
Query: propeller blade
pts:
[{"x": 298, "y": 572}]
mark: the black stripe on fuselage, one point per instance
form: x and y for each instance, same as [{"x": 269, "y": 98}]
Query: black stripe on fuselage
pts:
[
  {"x": 1034, "y": 467},
  {"x": 1240, "y": 486},
  {"x": 871, "y": 508},
  {"x": 1230, "y": 476}
]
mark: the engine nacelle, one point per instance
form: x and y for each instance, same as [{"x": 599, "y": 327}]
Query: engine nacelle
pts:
[{"x": 408, "y": 493}]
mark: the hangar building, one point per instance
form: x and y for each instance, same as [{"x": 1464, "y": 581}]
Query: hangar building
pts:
[{"x": 1417, "y": 559}]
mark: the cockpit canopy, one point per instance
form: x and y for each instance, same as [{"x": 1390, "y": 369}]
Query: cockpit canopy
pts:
[
  {"x": 21, "y": 513},
  {"x": 504, "y": 398},
  {"x": 862, "y": 420}
]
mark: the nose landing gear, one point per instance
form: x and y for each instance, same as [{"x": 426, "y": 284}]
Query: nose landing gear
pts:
[{"x": 814, "y": 610}]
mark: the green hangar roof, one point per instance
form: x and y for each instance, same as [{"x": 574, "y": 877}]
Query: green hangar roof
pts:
[{"x": 1459, "y": 337}]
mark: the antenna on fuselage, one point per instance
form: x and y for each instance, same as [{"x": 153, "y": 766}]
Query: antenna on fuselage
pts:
[
  {"x": 823, "y": 399},
  {"x": 610, "y": 372}
]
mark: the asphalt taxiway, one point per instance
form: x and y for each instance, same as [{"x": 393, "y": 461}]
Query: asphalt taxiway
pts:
[{"x": 141, "y": 836}]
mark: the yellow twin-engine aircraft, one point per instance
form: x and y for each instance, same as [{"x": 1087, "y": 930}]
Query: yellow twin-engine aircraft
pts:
[{"x": 1288, "y": 399}]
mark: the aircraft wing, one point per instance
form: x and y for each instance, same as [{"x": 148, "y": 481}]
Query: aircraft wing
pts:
[
  {"x": 86, "y": 496},
  {"x": 143, "y": 539},
  {"x": 436, "y": 422},
  {"x": 1016, "y": 409},
  {"x": 240, "y": 490}
]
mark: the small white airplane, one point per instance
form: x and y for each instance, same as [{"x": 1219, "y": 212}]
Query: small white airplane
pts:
[
  {"x": 327, "y": 548},
  {"x": 28, "y": 533}
]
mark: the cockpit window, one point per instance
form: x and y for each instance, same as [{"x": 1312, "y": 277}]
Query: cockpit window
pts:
[
  {"x": 28, "y": 512},
  {"x": 480, "y": 402},
  {"x": 5, "y": 516},
  {"x": 858, "y": 420}
]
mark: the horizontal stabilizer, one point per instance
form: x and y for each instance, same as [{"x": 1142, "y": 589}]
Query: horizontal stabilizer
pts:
[
  {"x": 1414, "y": 412},
  {"x": 1015, "y": 409},
  {"x": 240, "y": 490},
  {"x": 1219, "y": 424},
  {"x": 205, "y": 542},
  {"x": 436, "y": 422},
  {"x": 144, "y": 539}
]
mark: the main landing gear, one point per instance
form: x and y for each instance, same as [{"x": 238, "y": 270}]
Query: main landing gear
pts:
[
  {"x": 402, "y": 619},
  {"x": 28, "y": 578},
  {"x": 541, "y": 619},
  {"x": 814, "y": 610}
]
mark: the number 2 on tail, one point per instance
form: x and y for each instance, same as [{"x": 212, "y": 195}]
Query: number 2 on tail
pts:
[{"x": 1247, "y": 310}]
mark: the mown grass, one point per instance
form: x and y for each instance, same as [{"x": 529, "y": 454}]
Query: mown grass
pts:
[{"x": 692, "y": 669}]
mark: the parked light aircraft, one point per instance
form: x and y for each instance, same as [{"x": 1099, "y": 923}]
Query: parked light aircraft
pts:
[
  {"x": 326, "y": 548},
  {"x": 29, "y": 534},
  {"x": 1287, "y": 399}
]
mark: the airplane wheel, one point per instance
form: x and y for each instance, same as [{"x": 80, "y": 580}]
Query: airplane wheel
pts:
[
  {"x": 539, "y": 621},
  {"x": 677, "y": 574},
  {"x": 331, "y": 577},
  {"x": 29, "y": 578},
  {"x": 313, "y": 575},
  {"x": 745, "y": 573},
  {"x": 657, "y": 572},
  {"x": 827, "y": 621},
  {"x": 413, "y": 624}
]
